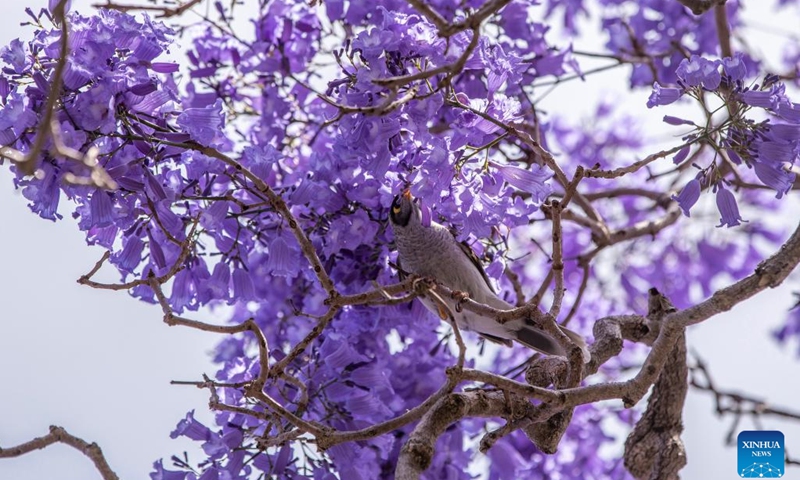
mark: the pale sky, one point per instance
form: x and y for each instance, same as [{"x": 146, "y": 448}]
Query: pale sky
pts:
[{"x": 99, "y": 362}]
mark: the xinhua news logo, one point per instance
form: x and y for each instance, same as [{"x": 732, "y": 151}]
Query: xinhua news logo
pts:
[{"x": 761, "y": 454}]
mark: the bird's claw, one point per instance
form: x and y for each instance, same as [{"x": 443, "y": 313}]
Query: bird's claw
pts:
[
  {"x": 423, "y": 284},
  {"x": 459, "y": 297}
]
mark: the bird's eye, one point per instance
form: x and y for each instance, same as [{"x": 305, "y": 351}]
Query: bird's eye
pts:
[{"x": 396, "y": 209}]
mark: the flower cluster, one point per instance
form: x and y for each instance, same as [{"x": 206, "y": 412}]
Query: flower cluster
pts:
[
  {"x": 652, "y": 35},
  {"x": 769, "y": 147}
]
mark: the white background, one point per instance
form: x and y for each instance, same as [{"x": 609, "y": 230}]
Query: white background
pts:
[{"x": 99, "y": 362}]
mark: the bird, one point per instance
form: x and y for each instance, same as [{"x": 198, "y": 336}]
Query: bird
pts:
[{"x": 432, "y": 251}]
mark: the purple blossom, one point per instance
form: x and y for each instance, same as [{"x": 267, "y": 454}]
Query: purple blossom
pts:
[
  {"x": 161, "y": 473},
  {"x": 790, "y": 112},
  {"x": 688, "y": 196},
  {"x": 63, "y": 4},
  {"x": 735, "y": 67},
  {"x": 131, "y": 255},
  {"x": 698, "y": 71},
  {"x": 283, "y": 260},
  {"x": 182, "y": 290},
  {"x": 164, "y": 67},
  {"x": 243, "y": 285},
  {"x": 765, "y": 99},
  {"x": 776, "y": 152},
  {"x": 101, "y": 209},
  {"x": 775, "y": 176},
  {"x": 203, "y": 124},
  {"x": 681, "y": 155},
  {"x": 676, "y": 121},
  {"x": 191, "y": 428},
  {"x": 15, "y": 55},
  {"x": 15, "y": 117},
  {"x": 44, "y": 193},
  {"x": 219, "y": 283},
  {"x": 663, "y": 96},
  {"x": 532, "y": 181},
  {"x": 728, "y": 209},
  {"x": 791, "y": 328}
]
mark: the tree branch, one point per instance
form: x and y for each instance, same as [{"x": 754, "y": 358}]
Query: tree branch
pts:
[
  {"x": 699, "y": 7},
  {"x": 654, "y": 449},
  {"x": 59, "y": 435}
]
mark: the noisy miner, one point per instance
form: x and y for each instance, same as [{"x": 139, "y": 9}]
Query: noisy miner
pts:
[{"x": 432, "y": 251}]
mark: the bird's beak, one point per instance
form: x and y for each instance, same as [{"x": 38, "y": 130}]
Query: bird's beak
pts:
[{"x": 407, "y": 194}]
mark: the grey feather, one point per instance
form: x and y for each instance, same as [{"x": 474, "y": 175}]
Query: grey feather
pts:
[{"x": 433, "y": 251}]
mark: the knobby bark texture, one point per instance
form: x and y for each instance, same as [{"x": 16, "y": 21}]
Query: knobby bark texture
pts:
[{"x": 654, "y": 449}]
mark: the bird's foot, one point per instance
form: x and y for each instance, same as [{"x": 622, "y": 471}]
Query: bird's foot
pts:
[{"x": 459, "y": 297}]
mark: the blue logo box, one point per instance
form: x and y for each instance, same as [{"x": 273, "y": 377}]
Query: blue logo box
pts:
[{"x": 761, "y": 454}]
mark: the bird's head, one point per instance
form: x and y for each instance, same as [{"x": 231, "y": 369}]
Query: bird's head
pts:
[{"x": 404, "y": 210}]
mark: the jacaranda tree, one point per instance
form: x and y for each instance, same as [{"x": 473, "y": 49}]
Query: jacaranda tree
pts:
[{"x": 254, "y": 168}]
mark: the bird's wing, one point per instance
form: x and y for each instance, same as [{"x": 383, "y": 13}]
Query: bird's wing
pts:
[{"x": 477, "y": 262}]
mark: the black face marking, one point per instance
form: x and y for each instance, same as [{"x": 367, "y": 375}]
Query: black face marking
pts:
[{"x": 401, "y": 211}]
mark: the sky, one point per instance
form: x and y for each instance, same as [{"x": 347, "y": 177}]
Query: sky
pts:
[{"x": 99, "y": 363}]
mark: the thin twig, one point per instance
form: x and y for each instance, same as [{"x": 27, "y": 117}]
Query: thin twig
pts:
[{"x": 60, "y": 435}]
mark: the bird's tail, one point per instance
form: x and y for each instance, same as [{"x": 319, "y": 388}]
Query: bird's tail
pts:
[{"x": 535, "y": 338}]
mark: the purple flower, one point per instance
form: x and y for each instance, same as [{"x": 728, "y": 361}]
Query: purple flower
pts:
[
  {"x": 95, "y": 108},
  {"x": 769, "y": 99},
  {"x": 182, "y": 288},
  {"x": 791, "y": 328},
  {"x": 728, "y": 209},
  {"x": 212, "y": 217},
  {"x": 203, "y": 124},
  {"x": 131, "y": 255},
  {"x": 243, "y": 289},
  {"x": 427, "y": 217},
  {"x": 15, "y": 55},
  {"x": 283, "y": 260},
  {"x": 15, "y": 116},
  {"x": 790, "y": 112},
  {"x": 784, "y": 132},
  {"x": 161, "y": 473},
  {"x": 54, "y": 4},
  {"x": 774, "y": 176},
  {"x": 157, "y": 256},
  {"x": 189, "y": 427},
  {"x": 777, "y": 152},
  {"x": 688, "y": 196},
  {"x": 219, "y": 283},
  {"x": 101, "y": 209},
  {"x": 164, "y": 67},
  {"x": 531, "y": 181},
  {"x": 663, "y": 96},
  {"x": 735, "y": 158},
  {"x": 734, "y": 67},
  {"x": 676, "y": 121},
  {"x": 43, "y": 192},
  {"x": 698, "y": 71},
  {"x": 681, "y": 155}
]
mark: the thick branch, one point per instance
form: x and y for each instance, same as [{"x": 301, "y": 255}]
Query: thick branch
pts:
[
  {"x": 417, "y": 453},
  {"x": 654, "y": 449},
  {"x": 668, "y": 345}
]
